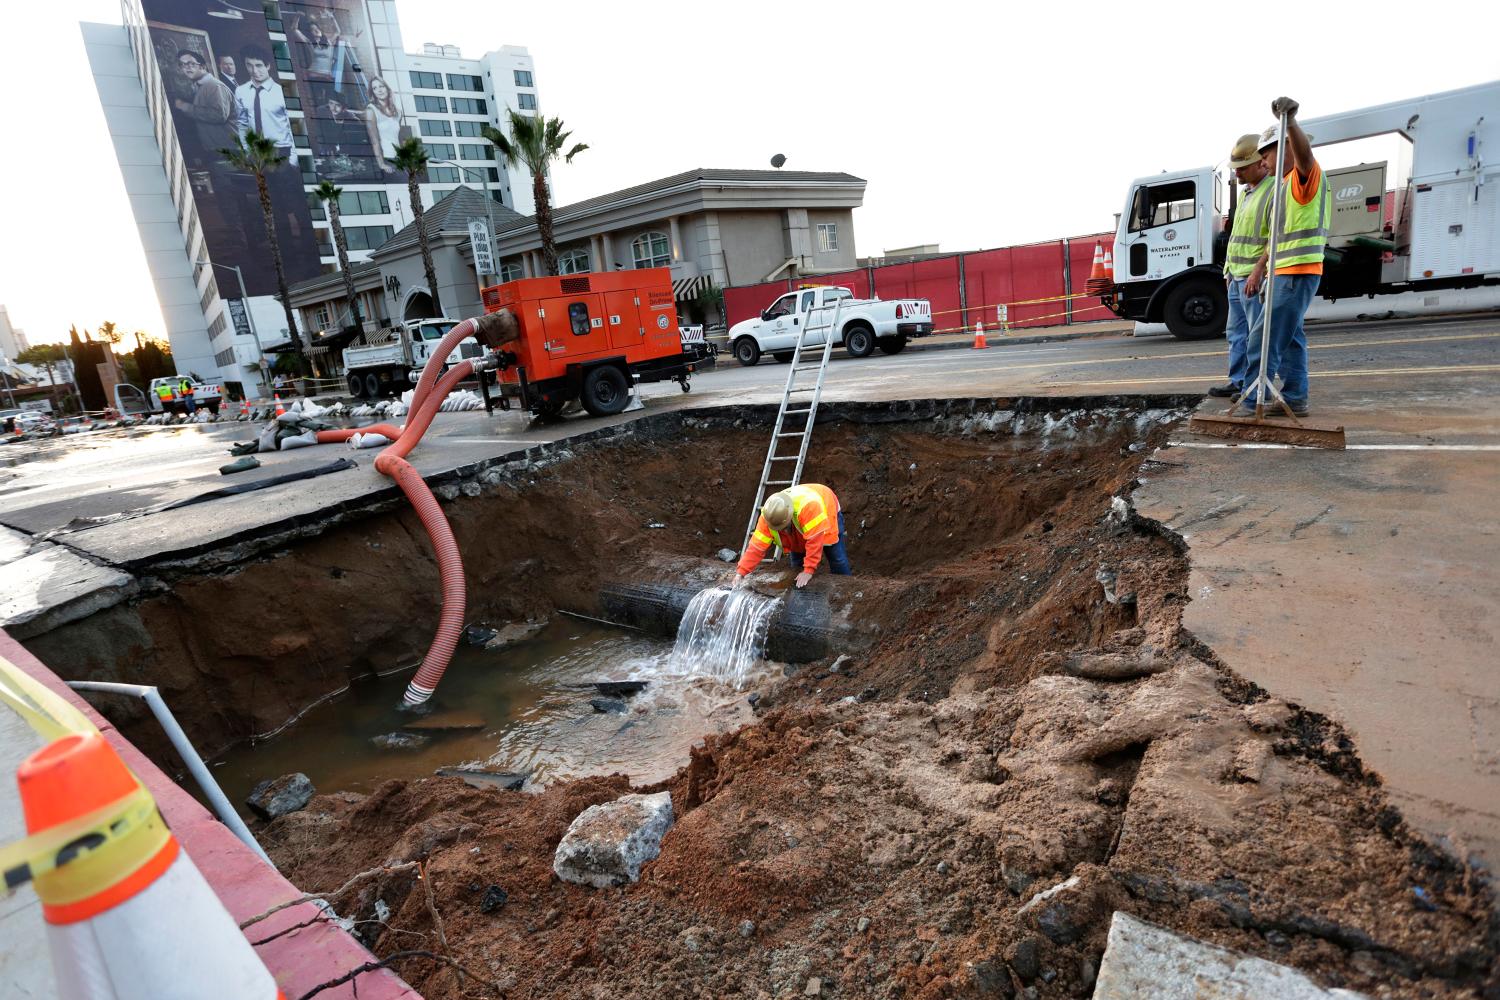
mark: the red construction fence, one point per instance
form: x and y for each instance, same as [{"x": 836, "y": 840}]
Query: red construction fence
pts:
[{"x": 1041, "y": 284}]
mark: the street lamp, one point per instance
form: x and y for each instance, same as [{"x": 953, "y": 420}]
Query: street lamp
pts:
[
  {"x": 489, "y": 216},
  {"x": 249, "y": 316}
]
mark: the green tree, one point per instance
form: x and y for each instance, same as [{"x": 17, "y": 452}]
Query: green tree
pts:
[
  {"x": 47, "y": 356},
  {"x": 254, "y": 154},
  {"x": 108, "y": 333},
  {"x": 329, "y": 193},
  {"x": 411, "y": 156},
  {"x": 534, "y": 142}
]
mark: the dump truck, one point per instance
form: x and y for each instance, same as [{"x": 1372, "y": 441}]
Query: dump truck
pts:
[
  {"x": 392, "y": 360},
  {"x": 864, "y": 324},
  {"x": 591, "y": 337},
  {"x": 1428, "y": 221}
]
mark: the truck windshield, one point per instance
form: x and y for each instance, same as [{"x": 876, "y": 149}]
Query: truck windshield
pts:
[{"x": 436, "y": 331}]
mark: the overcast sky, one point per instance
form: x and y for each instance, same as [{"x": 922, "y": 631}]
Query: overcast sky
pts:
[{"x": 975, "y": 125}]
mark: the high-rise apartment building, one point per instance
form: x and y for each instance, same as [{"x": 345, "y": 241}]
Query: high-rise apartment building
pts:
[
  {"x": 12, "y": 338},
  {"x": 328, "y": 81}
]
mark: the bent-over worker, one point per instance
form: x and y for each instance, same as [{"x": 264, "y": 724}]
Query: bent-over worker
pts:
[{"x": 807, "y": 522}]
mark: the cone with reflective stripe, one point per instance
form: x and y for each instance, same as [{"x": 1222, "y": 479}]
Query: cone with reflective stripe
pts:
[
  {"x": 1098, "y": 282},
  {"x": 244, "y": 407},
  {"x": 279, "y": 408},
  {"x": 133, "y": 919},
  {"x": 979, "y": 341},
  {"x": 1109, "y": 265}
]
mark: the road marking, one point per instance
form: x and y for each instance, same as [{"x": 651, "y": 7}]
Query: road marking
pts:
[
  {"x": 1352, "y": 447},
  {"x": 1434, "y": 370}
]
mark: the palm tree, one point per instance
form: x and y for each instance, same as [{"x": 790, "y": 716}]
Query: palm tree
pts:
[
  {"x": 253, "y": 153},
  {"x": 411, "y": 156},
  {"x": 534, "y": 142},
  {"x": 329, "y": 194}
]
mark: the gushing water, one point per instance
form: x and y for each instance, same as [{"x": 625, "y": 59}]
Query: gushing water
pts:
[{"x": 723, "y": 634}]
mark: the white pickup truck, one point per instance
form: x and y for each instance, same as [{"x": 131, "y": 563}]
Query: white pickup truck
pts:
[
  {"x": 394, "y": 365},
  {"x": 864, "y": 324},
  {"x": 206, "y": 395}
]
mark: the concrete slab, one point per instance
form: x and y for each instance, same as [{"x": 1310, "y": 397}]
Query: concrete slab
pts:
[
  {"x": 53, "y": 586},
  {"x": 13, "y": 545},
  {"x": 1145, "y": 962}
]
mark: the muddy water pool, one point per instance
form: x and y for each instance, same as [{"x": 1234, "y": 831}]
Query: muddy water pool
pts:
[{"x": 533, "y": 702}]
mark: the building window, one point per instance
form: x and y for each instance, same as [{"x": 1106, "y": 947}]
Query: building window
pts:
[
  {"x": 315, "y": 207},
  {"x": 473, "y": 130},
  {"x": 430, "y": 126},
  {"x": 470, "y": 106},
  {"x": 828, "y": 237},
  {"x": 363, "y": 203},
  {"x": 427, "y": 81},
  {"x": 366, "y": 237},
  {"x": 283, "y": 57},
  {"x": 573, "y": 262},
  {"x": 526, "y": 102},
  {"x": 510, "y": 271},
  {"x": 461, "y": 81},
  {"x": 467, "y": 151},
  {"x": 523, "y": 78},
  {"x": 444, "y": 175},
  {"x": 437, "y": 150},
  {"x": 432, "y": 105},
  {"x": 652, "y": 250},
  {"x": 320, "y": 317}
]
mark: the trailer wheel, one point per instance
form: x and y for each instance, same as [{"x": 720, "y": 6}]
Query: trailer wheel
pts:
[
  {"x": 782, "y": 357},
  {"x": 859, "y": 341},
  {"x": 892, "y": 345},
  {"x": 1197, "y": 309},
  {"x": 747, "y": 352},
  {"x": 356, "y": 386},
  {"x": 372, "y": 386},
  {"x": 605, "y": 391}
]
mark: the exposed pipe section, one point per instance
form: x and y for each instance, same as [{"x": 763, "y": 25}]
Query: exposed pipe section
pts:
[{"x": 493, "y": 330}]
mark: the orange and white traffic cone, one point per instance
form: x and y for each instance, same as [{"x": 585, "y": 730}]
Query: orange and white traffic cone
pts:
[
  {"x": 979, "y": 342},
  {"x": 1098, "y": 282},
  {"x": 279, "y": 408},
  {"x": 1109, "y": 265},
  {"x": 133, "y": 918},
  {"x": 244, "y": 407}
]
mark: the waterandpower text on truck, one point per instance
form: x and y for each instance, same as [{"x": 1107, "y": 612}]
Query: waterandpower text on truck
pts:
[
  {"x": 864, "y": 324},
  {"x": 1440, "y": 230}
]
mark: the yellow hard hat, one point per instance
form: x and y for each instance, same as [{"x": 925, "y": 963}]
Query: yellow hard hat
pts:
[
  {"x": 778, "y": 511},
  {"x": 1244, "y": 152}
]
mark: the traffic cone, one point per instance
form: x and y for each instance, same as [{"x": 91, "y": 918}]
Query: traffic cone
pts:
[
  {"x": 132, "y": 918},
  {"x": 979, "y": 342},
  {"x": 1098, "y": 282},
  {"x": 279, "y": 408},
  {"x": 244, "y": 407},
  {"x": 1109, "y": 265}
]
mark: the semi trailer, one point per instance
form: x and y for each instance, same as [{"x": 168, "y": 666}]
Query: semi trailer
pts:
[{"x": 1425, "y": 220}]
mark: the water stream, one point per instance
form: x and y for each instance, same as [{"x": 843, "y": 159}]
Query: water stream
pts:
[{"x": 723, "y": 635}]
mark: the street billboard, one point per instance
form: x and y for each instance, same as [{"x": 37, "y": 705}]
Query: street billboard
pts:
[
  {"x": 218, "y": 70},
  {"x": 354, "y": 117}
]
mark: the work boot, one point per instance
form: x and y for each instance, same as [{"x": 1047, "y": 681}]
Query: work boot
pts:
[
  {"x": 1298, "y": 407},
  {"x": 1224, "y": 391}
]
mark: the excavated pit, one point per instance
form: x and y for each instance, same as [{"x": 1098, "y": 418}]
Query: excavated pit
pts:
[{"x": 1016, "y": 706}]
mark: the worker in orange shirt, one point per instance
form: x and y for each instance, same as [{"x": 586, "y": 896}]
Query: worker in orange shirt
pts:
[{"x": 805, "y": 521}]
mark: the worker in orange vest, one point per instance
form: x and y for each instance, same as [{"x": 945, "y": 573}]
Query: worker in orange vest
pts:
[{"x": 805, "y": 521}]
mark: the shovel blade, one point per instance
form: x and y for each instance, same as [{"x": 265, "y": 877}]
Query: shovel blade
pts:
[{"x": 1274, "y": 431}]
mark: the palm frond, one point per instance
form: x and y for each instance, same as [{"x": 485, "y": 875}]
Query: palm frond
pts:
[{"x": 575, "y": 151}]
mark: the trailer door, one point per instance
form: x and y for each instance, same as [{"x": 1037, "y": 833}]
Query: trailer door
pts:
[
  {"x": 623, "y": 319},
  {"x": 574, "y": 328}
]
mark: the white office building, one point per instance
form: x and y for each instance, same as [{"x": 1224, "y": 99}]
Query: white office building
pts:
[
  {"x": 199, "y": 221},
  {"x": 12, "y": 338}
]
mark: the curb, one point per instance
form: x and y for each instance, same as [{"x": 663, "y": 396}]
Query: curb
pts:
[{"x": 1000, "y": 341}]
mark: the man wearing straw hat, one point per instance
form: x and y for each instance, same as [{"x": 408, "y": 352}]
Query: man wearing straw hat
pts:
[
  {"x": 1245, "y": 268},
  {"x": 1298, "y": 243}
]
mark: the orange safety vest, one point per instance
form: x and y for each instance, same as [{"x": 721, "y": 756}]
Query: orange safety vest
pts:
[{"x": 815, "y": 523}]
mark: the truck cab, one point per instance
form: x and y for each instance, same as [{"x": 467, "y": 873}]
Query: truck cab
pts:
[{"x": 1169, "y": 253}]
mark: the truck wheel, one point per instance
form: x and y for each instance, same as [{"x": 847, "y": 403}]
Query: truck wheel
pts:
[
  {"x": 782, "y": 357},
  {"x": 1197, "y": 309},
  {"x": 213, "y": 408},
  {"x": 859, "y": 341},
  {"x": 892, "y": 345},
  {"x": 356, "y": 386},
  {"x": 747, "y": 352},
  {"x": 372, "y": 386},
  {"x": 605, "y": 391}
]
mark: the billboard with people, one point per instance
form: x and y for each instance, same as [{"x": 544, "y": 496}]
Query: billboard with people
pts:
[
  {"x": 354, "y": 118},
  {"x": 219, "y": 75}
]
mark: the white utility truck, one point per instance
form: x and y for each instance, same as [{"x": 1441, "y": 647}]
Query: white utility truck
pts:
[
  {"x": 394, "y": 359},
  {"x": 864, "y": 324},
  {"x": 1439, "y": 230}
]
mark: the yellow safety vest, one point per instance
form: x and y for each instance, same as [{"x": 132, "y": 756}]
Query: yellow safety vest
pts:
[
  {"x": 1251, "y": 231},
  {"x": 801, "y": 497},
  {"x": 164, "y": 392},
  {"x": 1304, "y": 228}
]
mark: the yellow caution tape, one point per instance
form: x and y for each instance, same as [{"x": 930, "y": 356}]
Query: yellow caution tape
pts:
[{"x": 52, "y": 717}]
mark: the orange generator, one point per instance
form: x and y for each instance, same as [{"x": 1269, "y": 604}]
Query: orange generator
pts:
[{"x": 589, "y": 336}]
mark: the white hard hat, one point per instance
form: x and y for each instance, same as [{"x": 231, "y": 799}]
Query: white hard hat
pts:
[{"x": 1271, "y": 136}]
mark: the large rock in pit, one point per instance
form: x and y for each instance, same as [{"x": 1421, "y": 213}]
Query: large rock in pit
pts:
[
  {"x": 608, "y": 843},
  {"x": 279, "y": 796}
]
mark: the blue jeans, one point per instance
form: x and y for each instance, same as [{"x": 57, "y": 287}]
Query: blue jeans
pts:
[
  {"x": 1288, "y": 355},
  {"x": 837, "y": 558},
  {"x": 1245, "y": 314}
]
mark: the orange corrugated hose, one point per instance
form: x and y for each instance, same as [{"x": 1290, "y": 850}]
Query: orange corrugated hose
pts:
[{"x": 426, "y": 399}]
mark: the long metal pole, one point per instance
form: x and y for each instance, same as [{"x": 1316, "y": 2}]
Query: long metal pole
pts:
[
  {"x": 250, "y": 321},
  {"x": 1263, "y": 385},
  {"x": 189, "y": 755}
]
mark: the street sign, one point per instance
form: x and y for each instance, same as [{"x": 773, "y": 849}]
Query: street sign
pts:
[{"x": 479, "y": 241}]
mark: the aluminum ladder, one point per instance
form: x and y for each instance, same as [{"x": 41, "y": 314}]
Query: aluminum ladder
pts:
[{"x": 778, "y": 457}]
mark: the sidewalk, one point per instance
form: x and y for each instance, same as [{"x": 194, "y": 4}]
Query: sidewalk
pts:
[{"x": 1027, "y": 335}]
